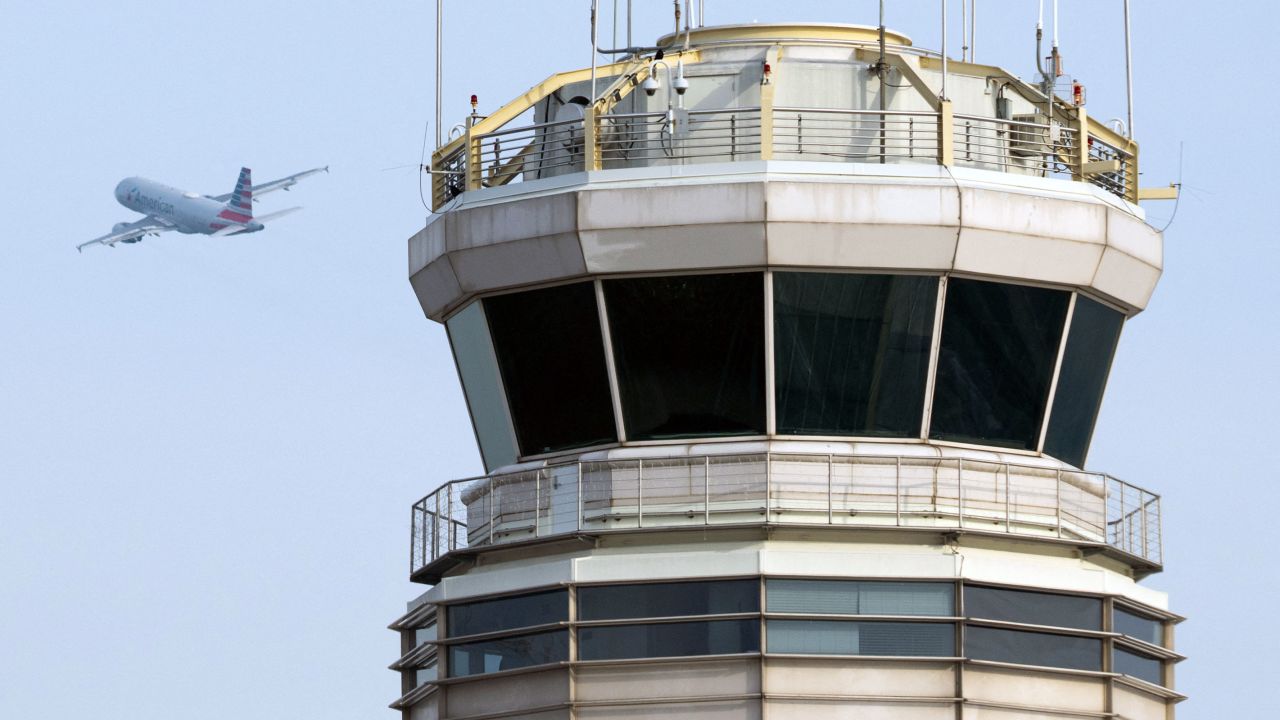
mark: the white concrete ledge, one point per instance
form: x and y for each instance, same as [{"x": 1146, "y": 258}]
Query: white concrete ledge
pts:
[{"x": 908, "y": 218}]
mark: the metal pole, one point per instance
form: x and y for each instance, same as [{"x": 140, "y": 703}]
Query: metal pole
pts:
[
  {"x": 1144, "y": 530},
  {"x": 688, "y": 21},
  {"x": 973, "y": 30},
  {"x": 1057, "y": 491},
  {"x": 1055, "y": 30},
  {"x": 706, "y": 490},
  {"x": 964, "y": 30},
  {"x": 579, "y": 495},
  {"x": 435, "y": 530},
  {"x": 943, "y": 95},
  {"x": 1128, "y": 66},
  {"x": 1008, "y": 518},
  {"x": 537, "y": 501},
  {"x": 439, "y": 70},
  {"x": 629, "y": 24},
  {"x": 882, "y": 70},
  {"x": 595, "y": 45},
  {"x": 768, "y": 486},
  {"x": 897, "y": 491},
  {"x": 640, "y": 493},
  {"x": 829, "y": 502}
]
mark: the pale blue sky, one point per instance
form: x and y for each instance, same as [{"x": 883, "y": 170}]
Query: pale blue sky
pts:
[{"x": 209, "y": 447}]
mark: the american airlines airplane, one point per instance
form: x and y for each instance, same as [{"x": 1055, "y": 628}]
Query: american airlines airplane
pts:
[{"x": 168, "y": 208}]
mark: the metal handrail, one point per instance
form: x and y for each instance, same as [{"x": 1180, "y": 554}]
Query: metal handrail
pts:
[
  {"x": 1071, "y": 145},
  {"x": 644, "y": 139},
  {"x": 786, "y": 489}
]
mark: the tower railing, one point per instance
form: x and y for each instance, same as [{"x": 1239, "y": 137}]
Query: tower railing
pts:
[
  {"x": 504, "y": 148},
  {"x": 623, "y": 140},
  {"x": 854, "y": 491}
]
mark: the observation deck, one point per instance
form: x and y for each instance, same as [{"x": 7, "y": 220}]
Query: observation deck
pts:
[
  {"x": 586, "y": 497},
  {"x": 763, "y": 93}
]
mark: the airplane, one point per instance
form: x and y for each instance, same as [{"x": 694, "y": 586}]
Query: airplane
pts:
[{"x": 167, "y": 208}]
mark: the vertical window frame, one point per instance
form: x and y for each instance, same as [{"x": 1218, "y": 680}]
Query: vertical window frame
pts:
[{"x": 492, "y": 355}]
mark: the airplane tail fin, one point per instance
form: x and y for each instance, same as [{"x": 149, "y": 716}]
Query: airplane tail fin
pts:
[{"x": 241, "y": 201}]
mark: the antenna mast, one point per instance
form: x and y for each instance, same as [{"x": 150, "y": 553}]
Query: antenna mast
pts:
[
  {"x": 1128, "y": 66},
  {"x": 439, "y": 70}
]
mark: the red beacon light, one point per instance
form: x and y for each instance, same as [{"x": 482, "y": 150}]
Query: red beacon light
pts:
[
  {"x": 768, "y": 75},
  {"x": 1077, "y": 94}
]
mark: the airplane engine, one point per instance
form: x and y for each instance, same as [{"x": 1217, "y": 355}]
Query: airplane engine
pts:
[{"x": 118, "y": 227}]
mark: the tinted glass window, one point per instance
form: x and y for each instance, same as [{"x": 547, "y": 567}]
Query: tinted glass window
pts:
[
  {"x": 552, "y": 360},
  {"x": 1139, "y": 666},
  {"x": 999, "y": 346},
  {"x": 508, "y": 613},
  {"x": 836, "y": 637},
  {"x": 1091, "y": 344},
  {"x": 1033, "y": 648},
  {"x": 856, "y": 597},
  {"x": 510, "y": 653},
  {"x": 481, "y": 381},
  {"x": 1033, "y": 608},
  {"x": 426, "y": 634},
  {"x": 1137, "y": 626},
  {"x": 668, "y": 599},
  {"x": 689, "y": 353},
  {"x": 716, "y": 637},
  {"x": 426, "y": 674},
  {"x": 852, "y": 352}
]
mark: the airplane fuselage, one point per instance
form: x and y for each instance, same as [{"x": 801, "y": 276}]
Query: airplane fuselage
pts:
[{"x": 190, "y": 213}]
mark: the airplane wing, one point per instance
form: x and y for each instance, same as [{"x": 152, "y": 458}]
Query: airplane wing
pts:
[
  {"x": 129, "y": 232},
  {"x": 283, "y": 183}
]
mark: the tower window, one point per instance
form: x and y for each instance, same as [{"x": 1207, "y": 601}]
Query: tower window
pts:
[
  {"x": 508, "y": 613},
  {"x": 999, "y": 347},
  {"x": 1033, "y": 648},
  {"x": 838, "y": 637},
  {"x": 1138, "y": 665},
  {"x": 852, "y": 352},
  {"x": 858, "y": 597},
  {"x": 682, "y": 639},
  {"x": 720, "y": 597},
  {"x": 689, "y": 352},
  {"x": 549, "y": 348},
  {"x": 509, "y": 653},
  {"x": 1091, "y": 345},
  {"x": 1033, "y": 608}
]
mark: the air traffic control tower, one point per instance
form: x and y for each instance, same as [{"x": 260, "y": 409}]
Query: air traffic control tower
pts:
[{"x": 783, "y": 351}]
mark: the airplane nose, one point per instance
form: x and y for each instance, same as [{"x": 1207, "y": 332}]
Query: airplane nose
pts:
[{"x": 121, "y": 190}]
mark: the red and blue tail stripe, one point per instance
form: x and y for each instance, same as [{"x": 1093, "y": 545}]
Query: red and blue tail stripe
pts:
[{"x": 240, "y": 208}]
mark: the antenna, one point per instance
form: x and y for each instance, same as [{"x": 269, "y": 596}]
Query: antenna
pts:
[
  {"x": 1128, "y": 67},
  {"x": 943, "y": 95},
  {"x": 439, "y": 70},
  {"x": 595, "y": 45},
  {"x": 973, "y": 30}
]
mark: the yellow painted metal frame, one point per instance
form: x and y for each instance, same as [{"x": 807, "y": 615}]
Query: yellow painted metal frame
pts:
[
  {"x": 1159, "y": 193},
  {"x": 630, "y": 73},
  {"x": 766, "y": 103},
  {"x": 787, "y": 33}
]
